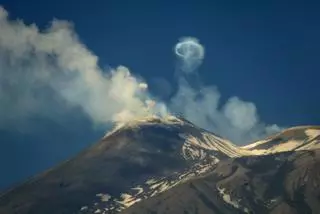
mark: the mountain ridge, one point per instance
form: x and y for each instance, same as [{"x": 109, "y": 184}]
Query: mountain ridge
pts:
[{"x": 133, "y": 162}]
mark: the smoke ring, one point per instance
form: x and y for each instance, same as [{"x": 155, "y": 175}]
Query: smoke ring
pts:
[{"x": 189, "y": 49}]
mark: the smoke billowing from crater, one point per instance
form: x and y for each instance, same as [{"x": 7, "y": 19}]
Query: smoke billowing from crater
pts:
[{"x": 45, "y": 73}]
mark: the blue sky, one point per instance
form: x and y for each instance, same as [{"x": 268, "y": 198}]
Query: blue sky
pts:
[{"x": 266, "y": 53}]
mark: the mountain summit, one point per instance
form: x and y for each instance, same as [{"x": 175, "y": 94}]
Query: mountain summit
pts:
[{"x": 169, "y": 165}]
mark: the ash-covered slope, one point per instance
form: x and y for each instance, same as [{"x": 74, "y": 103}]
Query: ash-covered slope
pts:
[{"x": 135, "y": 161}]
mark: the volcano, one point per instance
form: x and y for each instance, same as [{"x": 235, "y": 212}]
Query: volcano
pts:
[{"x": 169, "y": 165}]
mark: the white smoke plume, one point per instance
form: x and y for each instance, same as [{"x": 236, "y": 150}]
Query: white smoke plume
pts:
[
  {"x": 237, "y": 120},
  {"x": 41, "y": 70}
]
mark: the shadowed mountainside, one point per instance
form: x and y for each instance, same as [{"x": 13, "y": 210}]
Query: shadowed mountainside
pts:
[
  {"x": 169, "y": 165},
  {"x": 280, "y": 184}
]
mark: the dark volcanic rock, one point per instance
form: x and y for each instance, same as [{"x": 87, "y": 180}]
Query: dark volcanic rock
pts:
[
  {"x": 278, "y": 184},
  {"x": 171, "y": 166},
  {"x": 125, "y": 159}
]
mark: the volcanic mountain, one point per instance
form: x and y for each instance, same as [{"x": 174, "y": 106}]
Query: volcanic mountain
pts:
[{"x": 168, "y": 165}]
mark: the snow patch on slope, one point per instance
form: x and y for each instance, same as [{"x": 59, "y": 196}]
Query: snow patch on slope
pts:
[
  {"x": 233, "y": 202},
  {"x": 149, "y": 188},
  {"x": 203, "y": 147},
  {"x": 204, "y": 150},
  {"x": 311, "y": 141},
  {"x": 312, "y": 133}
]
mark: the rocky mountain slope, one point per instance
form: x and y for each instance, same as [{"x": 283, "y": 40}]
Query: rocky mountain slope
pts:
[
  {"x": 168, "y": 165},
  {"x": 292, "y": 139},
  {"x": 278, "y": 184}
]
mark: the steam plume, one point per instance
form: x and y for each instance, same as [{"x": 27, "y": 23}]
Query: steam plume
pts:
[
  {"x": 237, "y": 120},
  {"x": 42, "y": 70}
]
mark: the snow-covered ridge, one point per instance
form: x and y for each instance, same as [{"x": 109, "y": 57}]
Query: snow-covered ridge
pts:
[
  {"x": 204, "y": 150},
  {"x": 292, "y": 139},
  {"x": 168, "y": 120},
  {"x": 295, "y": 138},
  {"x": 196, "y": 148}
]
